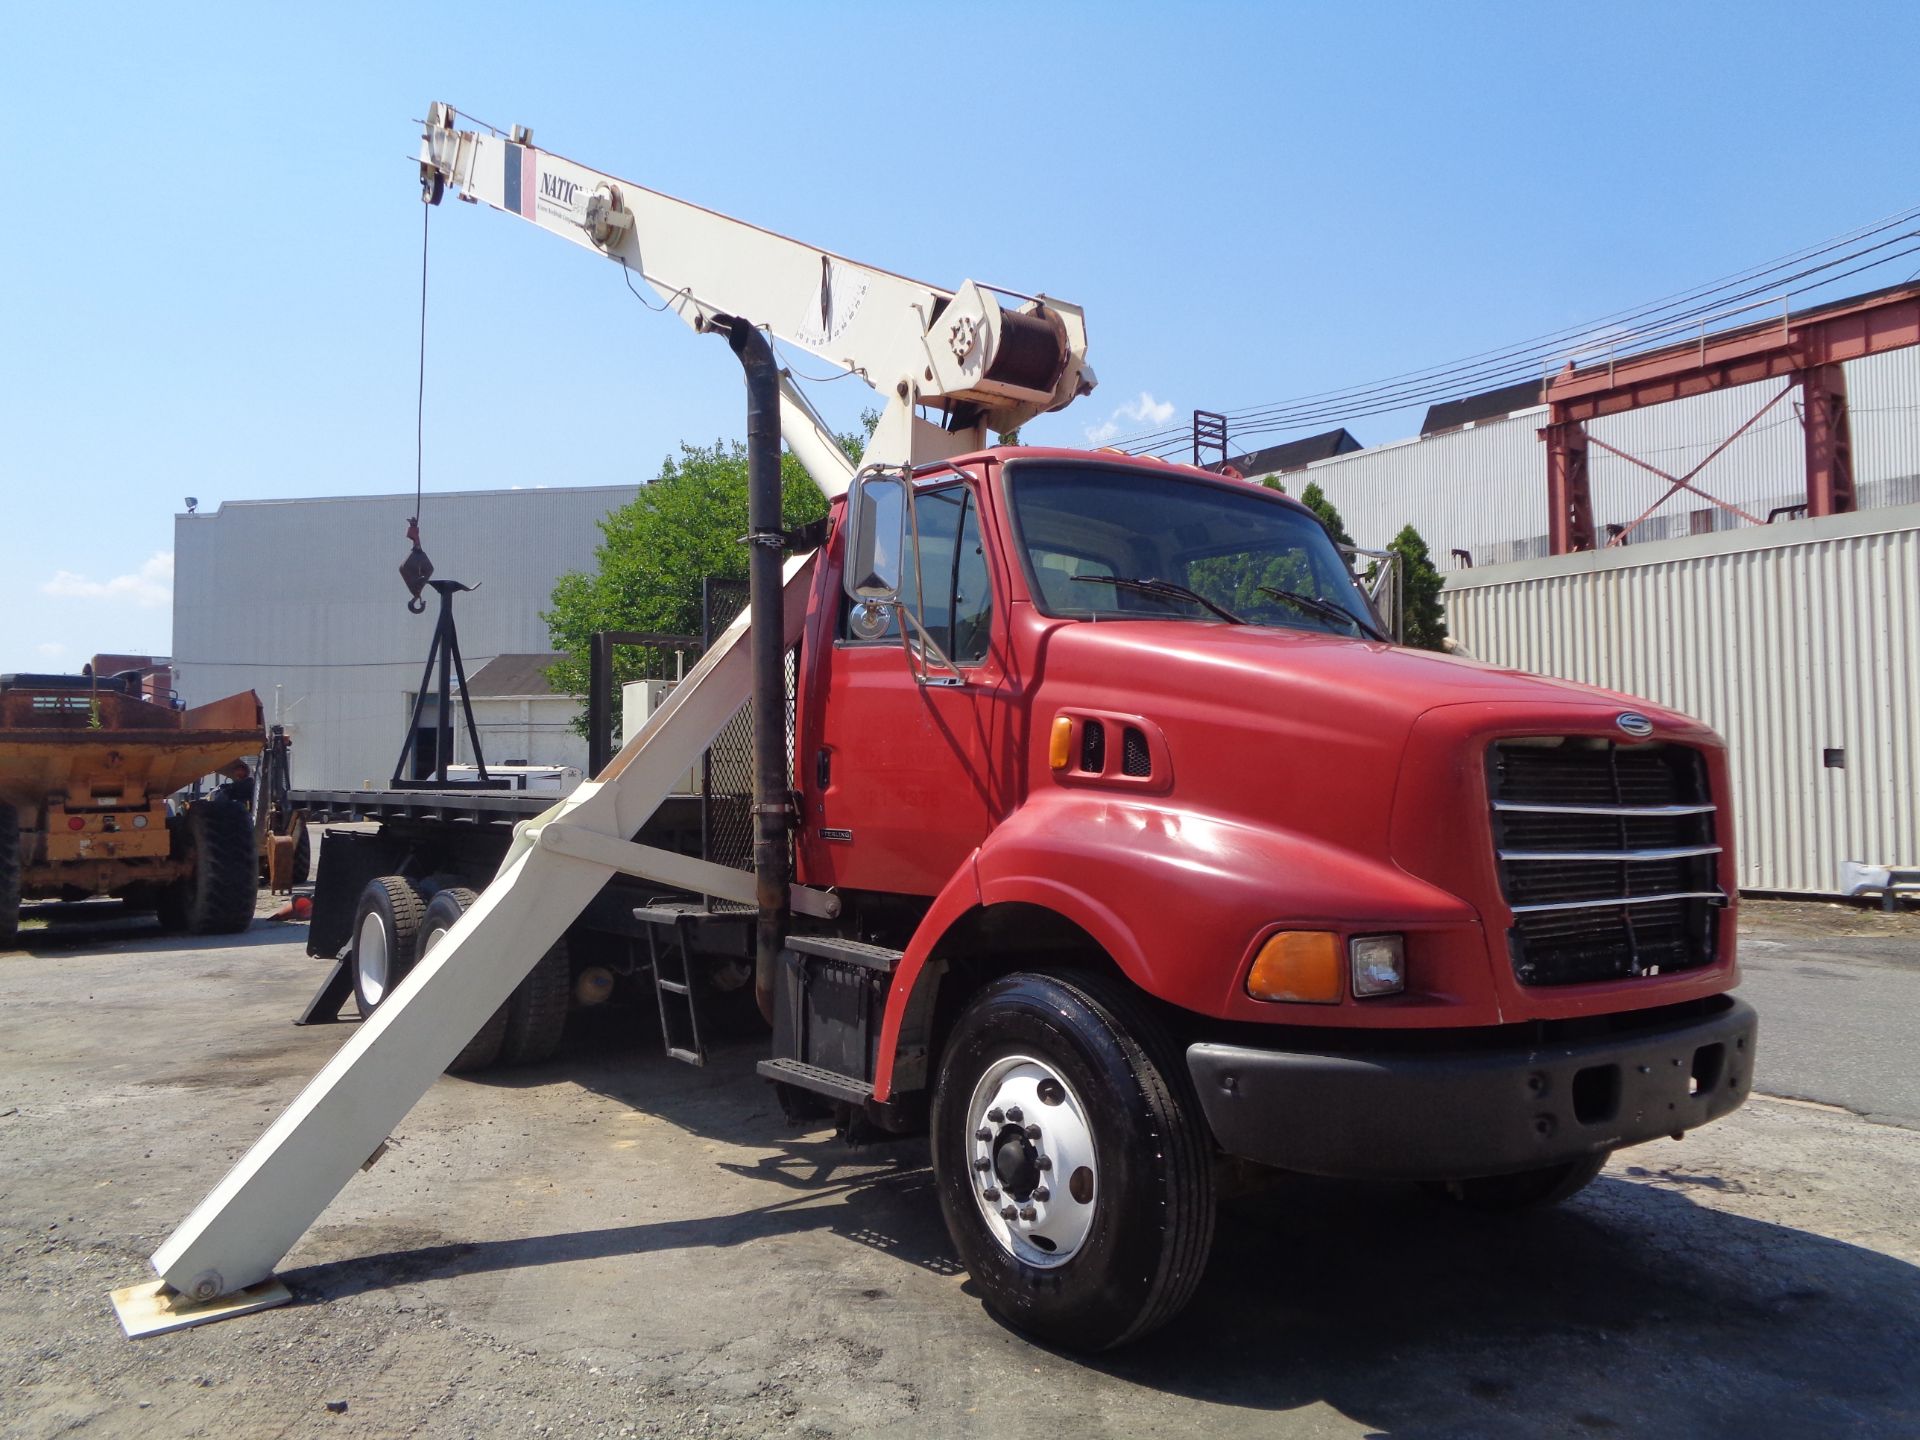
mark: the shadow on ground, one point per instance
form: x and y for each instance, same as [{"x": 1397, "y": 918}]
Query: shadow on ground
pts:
[
  {"x": 102, "y": 927},
  {"x": 1633, "y": 1310}
]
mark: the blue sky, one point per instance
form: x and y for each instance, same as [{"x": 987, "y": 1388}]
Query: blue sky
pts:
[{"x": 211, "y": 261}]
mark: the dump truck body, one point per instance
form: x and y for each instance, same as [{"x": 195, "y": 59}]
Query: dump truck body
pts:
[{"x": 87, "y": 767}]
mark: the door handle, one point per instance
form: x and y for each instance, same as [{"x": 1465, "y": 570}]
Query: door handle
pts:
[{"x": 822, "y": 768}]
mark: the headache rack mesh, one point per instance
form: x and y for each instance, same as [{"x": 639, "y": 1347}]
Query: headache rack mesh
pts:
[{"x": 1608, "y": 858}]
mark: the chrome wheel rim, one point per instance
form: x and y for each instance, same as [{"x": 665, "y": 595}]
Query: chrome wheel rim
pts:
[
  {"x": 1030, "y": 1161},
  {"x": 370, "y": 956}
]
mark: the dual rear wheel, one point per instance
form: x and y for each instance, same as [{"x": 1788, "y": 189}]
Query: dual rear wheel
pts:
[{"x": 399, "y": 921}]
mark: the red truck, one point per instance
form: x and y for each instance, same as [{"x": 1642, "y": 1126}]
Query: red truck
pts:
[
  {"x": 1111, "y": 838},
  {"x": 1184, "y": 859}
]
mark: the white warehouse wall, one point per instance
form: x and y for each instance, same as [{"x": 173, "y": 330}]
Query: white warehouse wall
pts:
[{"x": 306, "y": 596}]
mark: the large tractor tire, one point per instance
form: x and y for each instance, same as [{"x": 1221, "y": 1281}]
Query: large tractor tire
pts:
[
  {"x": 302, "y": 856},
  {"x": 386, "y": 938},
  {"x": 217, "y": 897},
  {"x": 9, "y": 876},
  {"x": 1073, "y": 1167},
  {"x": 483, "y": 1050}
]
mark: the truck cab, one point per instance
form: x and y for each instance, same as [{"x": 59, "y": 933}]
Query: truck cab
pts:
[{"x": 1172, "y": 843}]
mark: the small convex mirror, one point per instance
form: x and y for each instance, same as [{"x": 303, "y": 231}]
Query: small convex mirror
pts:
[{"x": 876, "y": 537}]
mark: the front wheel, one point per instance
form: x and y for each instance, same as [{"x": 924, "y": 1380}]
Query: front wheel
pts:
[{"x": 1073, "y": 1169}]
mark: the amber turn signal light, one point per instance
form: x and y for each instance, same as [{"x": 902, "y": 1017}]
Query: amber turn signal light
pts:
[
  {"x": 1060, "y": 743},
  {"x": 1298, "y": 965}
]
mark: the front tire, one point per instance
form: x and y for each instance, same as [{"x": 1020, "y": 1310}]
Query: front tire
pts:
[{"x": 1094, "y": 1231}]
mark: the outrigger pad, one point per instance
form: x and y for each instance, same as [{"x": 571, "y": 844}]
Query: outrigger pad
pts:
[{"x": 146, "y": 1310}]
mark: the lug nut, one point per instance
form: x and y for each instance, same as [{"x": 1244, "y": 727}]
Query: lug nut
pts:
[
  {"x": 1007, "y": 1212},
  {"x": 1042, "y": 1194},
  {"x": 1013, "y": 1112},
  {"x": 983, "y": 1134},
  {"x": 997, "y": 1115},
  {"x": 989, "y": 1193},
  {"x": 980, "y": 1162},
  {"x": 1033, "y": 1132},
  {"x": 1045, "y": 1162},
  {"x": 1027, "y": 1212}
]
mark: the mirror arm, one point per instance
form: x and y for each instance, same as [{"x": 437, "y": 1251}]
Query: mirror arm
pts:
[{"x": 929, "y": 647}]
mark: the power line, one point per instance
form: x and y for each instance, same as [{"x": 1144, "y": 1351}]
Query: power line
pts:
[{"x": 1638, "y": 327}]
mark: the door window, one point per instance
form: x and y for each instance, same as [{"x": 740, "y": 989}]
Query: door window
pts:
[{"x": 946, "y": 582}]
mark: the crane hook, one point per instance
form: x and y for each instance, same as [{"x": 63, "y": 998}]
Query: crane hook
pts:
[{"x": 416, "y": 569}]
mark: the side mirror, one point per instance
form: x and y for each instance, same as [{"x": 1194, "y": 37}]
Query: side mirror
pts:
[{"x": 876, "y": 537}]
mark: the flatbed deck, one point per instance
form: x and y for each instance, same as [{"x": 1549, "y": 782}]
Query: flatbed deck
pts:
[{"x": 487, "y": 807}]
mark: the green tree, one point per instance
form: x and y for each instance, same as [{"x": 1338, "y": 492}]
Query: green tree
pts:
[
  {"x": 1420, "y": 585},
  {"x": 683, "y": 526},
  {"x": 1315, "y": 499}
]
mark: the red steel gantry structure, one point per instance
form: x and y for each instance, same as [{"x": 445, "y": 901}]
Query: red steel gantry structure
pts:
[{"x": 1806, "y": 350}]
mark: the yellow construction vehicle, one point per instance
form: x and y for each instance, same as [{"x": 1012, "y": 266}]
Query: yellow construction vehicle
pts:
[{"x": 87, "y": 766}]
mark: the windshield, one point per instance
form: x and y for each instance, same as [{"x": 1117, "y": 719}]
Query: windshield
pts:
[{"x": 1108, "y": 543}]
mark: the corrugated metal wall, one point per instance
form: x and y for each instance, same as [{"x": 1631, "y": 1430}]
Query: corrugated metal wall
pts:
[
  {"x": 1484, "y": 489},
  {"x": 306, "y": 595},
  {"x": 1791, "y": 641}
]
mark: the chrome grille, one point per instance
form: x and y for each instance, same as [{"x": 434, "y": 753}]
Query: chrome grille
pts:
[{"x": 1607, "y": 858}]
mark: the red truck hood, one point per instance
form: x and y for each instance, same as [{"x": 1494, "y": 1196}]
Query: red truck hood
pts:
[
  {"x": 1297, "y": 728},
  {"x": 1260, "y": 662}
]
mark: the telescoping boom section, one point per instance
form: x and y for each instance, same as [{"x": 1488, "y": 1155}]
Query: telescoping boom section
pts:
[{"x": 957, "y": 356}]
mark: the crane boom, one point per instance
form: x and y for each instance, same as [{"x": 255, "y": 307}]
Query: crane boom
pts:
[{"x": 958, "y": 354}]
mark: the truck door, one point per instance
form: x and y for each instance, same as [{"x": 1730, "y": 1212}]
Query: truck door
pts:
[{"x": 898, "y": 785}]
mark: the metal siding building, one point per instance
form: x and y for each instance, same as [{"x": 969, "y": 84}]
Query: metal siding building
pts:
[
  {"x": 1793, "y": 641},
  {"x": 1483, "y": 488},
  {"x": 301, "y": 601}
]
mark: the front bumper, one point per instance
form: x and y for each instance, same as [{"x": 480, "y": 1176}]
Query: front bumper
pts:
[{"x": 1442, "y": 1115}]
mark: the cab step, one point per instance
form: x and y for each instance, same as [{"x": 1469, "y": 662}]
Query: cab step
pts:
[
  {"x": 830, "y": 1083},
  {"x": 847, "y": 952}
]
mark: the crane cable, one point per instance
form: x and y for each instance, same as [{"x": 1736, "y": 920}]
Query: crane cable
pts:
[{"x": 417, "y": 569}]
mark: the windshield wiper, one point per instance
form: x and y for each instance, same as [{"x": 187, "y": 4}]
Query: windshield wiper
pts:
[
  {"x": 1326, "y": 611},
  {"x": 1165, "y": 589}
]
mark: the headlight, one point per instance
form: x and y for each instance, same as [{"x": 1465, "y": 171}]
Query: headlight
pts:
[{"x": 1379, "y": 964}]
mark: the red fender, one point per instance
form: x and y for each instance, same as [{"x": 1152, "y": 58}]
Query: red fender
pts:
[{"x": 1167, "y": 893}]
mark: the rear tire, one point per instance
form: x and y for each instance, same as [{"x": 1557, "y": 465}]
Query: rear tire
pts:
[
  {"x": 1529, "y": 1190},
  {"x": 9, "y": 876},
  {"x": 217, "y": 897},
  {"x": 449, "y": 903},
  {"x": 537, "y": 1009},
  {"x": 1113, "y": 1202},
  {"x": 386, "y": 938}
]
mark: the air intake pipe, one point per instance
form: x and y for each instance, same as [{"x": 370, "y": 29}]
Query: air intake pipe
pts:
[{"x": 766, "y": 540}]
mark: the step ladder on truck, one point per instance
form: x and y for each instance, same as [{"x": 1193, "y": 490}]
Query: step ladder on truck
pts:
[{"x": 1120, "y": 840}]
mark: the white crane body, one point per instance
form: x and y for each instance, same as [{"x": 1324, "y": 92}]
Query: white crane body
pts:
[
  {"x": 957, "y": 355},
  {"x": 956, "y": 352}
]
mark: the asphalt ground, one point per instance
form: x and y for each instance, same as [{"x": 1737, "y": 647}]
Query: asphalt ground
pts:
[{"x": 614, "y": 1244}]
